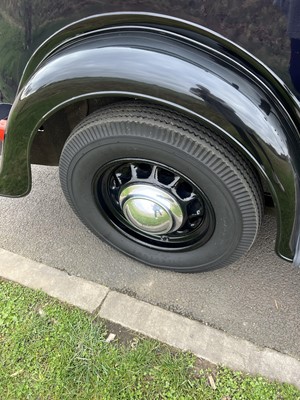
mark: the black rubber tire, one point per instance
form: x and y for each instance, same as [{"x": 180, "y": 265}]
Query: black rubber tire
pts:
[{"x": 141, "y": 130}]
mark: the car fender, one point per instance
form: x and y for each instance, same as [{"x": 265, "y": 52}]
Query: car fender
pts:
[{"x": 209, "y": 80}]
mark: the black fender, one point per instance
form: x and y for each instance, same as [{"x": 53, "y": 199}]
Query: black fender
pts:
[{"x": 153, "y": 58}]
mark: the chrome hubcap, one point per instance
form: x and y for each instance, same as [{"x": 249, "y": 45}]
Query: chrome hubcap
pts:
[
  {"x": 153, "y": 204},
  {"x": 151, "y": 209}
]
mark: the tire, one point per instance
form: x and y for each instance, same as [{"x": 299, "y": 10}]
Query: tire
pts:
[{"x": 161, "y": 188}]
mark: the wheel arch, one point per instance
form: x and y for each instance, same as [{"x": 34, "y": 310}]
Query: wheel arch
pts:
[{"x": 213, "y": 81}]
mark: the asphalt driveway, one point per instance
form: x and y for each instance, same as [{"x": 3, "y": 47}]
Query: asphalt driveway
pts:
[{"x": 257, "y": 298}]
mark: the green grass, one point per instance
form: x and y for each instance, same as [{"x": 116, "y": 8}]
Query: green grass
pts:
[{"x": 52, "y": 351}]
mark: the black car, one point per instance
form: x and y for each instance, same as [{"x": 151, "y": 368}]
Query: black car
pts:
[{"x": 172, "y": 122}]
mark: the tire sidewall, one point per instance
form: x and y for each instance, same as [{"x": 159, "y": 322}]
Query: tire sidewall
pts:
[{"x": 79, "y": 185}]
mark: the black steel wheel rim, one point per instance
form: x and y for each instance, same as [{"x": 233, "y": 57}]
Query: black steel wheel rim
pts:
[{"x": 198, "y": 215}]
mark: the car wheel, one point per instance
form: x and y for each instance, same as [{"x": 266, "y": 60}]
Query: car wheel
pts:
[{"x": 161, "y": 188}]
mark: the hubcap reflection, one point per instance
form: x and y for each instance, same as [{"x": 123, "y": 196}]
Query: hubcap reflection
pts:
[{"x": 150, "y": 209}]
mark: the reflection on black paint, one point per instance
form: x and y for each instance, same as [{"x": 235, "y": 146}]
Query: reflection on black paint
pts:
[
  {"x": 265, "y": 106},
  {"x": 247, "y": 135},
  {"x": 295, "y": 63},
  {"x": 254, "y": 24},
  {"x": 230, "y": 115},
  {"x": 292, "y": 9}
]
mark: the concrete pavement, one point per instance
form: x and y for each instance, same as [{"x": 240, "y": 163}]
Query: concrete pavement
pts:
[{"x": 168, "y": 327}]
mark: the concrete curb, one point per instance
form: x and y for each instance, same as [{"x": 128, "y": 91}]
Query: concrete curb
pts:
[{"x": 155, "y": 322}]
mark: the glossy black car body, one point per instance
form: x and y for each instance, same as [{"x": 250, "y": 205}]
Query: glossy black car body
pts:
[{"x": 62, "y": 61}]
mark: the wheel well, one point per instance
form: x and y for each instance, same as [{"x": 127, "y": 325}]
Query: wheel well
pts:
[
  {"x": 49, "y": 141},
  {"x": 51, "y": 137}
]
